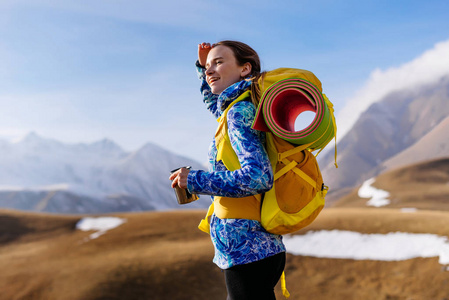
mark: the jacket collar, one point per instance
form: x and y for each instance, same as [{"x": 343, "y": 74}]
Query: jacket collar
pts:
[{"x": 231, "y": 93}]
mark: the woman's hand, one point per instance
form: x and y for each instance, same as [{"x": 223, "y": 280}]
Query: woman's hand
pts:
[
  {"x": 203, "y": 51},
  {"x": 179, "y": 178}
]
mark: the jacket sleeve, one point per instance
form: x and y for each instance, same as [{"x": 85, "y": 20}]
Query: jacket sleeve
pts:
[
  {"x": 255, "y": 175},
  {"x": 209, "y": 99}
]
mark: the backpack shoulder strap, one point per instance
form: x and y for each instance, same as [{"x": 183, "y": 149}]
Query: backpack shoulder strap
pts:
[
  {"x": 228, "y": 156},
  {"x": 222, "y": 141}
]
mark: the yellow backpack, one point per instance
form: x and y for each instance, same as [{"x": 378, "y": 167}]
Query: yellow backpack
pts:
[
  {"x": 297, "y": 195},
  {"x": 298, "y": 192}
]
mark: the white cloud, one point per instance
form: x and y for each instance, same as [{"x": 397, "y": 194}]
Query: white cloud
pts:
[{"x": 428, "y": 67}]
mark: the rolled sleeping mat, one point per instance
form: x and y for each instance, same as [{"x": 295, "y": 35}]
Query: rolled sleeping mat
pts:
[{"x": 284, "y": 101}]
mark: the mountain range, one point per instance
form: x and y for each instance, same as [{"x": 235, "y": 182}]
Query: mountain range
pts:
[{"x": 40, "y": 174}]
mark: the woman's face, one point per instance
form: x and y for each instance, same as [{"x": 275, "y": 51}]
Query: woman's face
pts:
[{"x": 222, "y": 69}]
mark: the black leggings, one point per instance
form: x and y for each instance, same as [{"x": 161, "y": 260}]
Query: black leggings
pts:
[{"x": 255, "y": 281}]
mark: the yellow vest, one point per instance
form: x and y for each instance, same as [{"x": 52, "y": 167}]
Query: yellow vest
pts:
[{"x": 227, "y": 207}]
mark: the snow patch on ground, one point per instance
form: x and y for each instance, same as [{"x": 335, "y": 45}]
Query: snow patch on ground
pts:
[
  {"x": 377, "y": 197},
  {"x": 101, "y": 225},
  {"x": 394, "y": 246}
]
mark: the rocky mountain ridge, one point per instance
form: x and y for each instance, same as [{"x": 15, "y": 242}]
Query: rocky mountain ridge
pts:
[{"x": 40, "y": 174}]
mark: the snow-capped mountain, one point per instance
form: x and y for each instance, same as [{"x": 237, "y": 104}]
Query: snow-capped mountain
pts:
[
  {"x": 405, "y": 127},
  {"x": 46, "y": 175}
]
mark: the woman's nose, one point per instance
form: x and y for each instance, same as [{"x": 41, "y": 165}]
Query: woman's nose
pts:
[{"x": 209, "y": 71}]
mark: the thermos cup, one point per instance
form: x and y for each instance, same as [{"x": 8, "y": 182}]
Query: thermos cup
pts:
[{"x": 182, "y": 195}]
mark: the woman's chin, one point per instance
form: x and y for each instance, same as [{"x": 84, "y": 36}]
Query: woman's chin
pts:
[{"x": 216, "y": 91}]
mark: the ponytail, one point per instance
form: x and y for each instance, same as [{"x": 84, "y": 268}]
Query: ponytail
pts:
[{"x": 257, "y": 83}]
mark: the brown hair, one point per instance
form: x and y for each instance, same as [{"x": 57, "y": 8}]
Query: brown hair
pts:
[{"x": 244, "y": 54}]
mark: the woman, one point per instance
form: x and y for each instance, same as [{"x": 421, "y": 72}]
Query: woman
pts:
[{"x": 252, "y": 259}]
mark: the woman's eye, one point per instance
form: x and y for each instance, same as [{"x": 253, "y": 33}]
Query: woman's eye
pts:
[{"x": 219, "y": 62}]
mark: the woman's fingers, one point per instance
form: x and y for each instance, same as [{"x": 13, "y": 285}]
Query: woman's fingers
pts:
[
  {"x": 203, "y": 50},
  {"x": 182, "y": 177},
  {"x": 179, "y": 178},
  {"x": 204, "y": 45}
]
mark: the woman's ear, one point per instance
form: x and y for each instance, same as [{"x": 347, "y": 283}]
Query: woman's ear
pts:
[{"x": 246, "y": 69}]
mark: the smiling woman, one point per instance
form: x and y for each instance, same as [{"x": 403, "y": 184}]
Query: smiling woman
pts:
[{"x": 252, "y": 258}]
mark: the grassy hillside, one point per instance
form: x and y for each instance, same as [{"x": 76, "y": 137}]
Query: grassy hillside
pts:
[
  {"x": 162, "y": 255},
  {"x": 422, "y": 186},
  {"x": 151, "y": 256}
]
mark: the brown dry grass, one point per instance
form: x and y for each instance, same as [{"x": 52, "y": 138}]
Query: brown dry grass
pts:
[
  {"x": 422, "y": 186},
  {"x": 151, "y": 256},
  {"x": 162, "y": 255}
]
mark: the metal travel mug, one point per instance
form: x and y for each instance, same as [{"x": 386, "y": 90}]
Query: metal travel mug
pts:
[{"x": 182, "y": 195}]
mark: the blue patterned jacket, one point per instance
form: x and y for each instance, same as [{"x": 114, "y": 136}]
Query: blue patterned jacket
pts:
[{"x": 236, "y": 241}]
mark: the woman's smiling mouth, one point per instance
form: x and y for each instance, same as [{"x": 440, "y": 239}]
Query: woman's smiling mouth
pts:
[{"x": 212, "y": 80}]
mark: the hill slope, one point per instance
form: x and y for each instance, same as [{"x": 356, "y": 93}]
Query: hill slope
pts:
[
  {"x": 162, "y": 255},
  {"x": 433, "y": 145},
  {"x": 422, "y": 186}
]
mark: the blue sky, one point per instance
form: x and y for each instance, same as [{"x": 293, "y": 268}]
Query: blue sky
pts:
[{"x": 81, "y": 71}]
